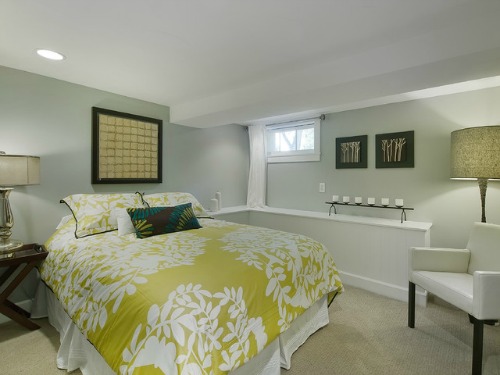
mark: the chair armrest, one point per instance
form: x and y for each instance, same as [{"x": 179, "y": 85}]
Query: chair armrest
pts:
[
  {"x": 486, "y": 304},
  {"x": 438, "y": 259}
]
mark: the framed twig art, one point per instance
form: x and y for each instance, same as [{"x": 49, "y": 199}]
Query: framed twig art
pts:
[
  {"x": 126, "y": 148},
  {"x": 351, "y": 152},
  {"x": 395, "y": 150}
]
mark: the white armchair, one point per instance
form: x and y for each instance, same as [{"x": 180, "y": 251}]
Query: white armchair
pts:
[{"x": 466, "y": 278}]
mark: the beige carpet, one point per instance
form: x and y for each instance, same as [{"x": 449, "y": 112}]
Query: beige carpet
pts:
[
  {"x": 367, "y": 335},
  {"x": 29, "y": 352}
]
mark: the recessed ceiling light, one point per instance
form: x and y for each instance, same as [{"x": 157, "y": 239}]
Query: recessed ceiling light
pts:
[{"x": 51, "y": 55}]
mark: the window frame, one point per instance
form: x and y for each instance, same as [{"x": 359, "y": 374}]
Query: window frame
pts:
[{"x": 300, "y": 155}]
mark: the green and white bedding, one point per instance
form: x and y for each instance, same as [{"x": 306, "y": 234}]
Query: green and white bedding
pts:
[{"x": 200, "y": 301}]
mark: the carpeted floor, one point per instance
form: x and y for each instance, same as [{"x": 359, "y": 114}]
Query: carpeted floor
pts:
[
  {"x": 367, "y": 334},
  {"x": 29, "y": 352}
]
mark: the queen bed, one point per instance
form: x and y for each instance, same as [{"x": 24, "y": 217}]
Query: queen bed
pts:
[{"x": 149, "y": 284}]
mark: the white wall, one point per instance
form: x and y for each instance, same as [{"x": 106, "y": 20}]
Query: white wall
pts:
[
  {"x": 370, "y": 253},
  {"x": 52, "y": 119},
  {"x": 452, "y": 206}
]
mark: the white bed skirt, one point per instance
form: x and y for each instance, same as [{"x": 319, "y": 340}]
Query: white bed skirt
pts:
[{"x": 76, "y": 352}]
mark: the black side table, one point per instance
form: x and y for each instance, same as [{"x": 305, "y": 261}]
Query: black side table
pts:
[{"x": 25, "y": 258}]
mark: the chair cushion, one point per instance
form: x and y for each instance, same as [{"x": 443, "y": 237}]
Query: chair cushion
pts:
[
  {"x": 484, "y": 245},
  {"x": 454, "y": 288}
]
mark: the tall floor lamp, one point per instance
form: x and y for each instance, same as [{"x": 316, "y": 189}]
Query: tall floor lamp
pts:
[
  {"x": 15, "y": 170},
  {"x": 475, "y": 155}
]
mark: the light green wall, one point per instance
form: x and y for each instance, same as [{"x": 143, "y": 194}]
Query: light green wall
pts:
[
  {"x": 452, "y": 206},
  {"x": 52, "y": 119}
]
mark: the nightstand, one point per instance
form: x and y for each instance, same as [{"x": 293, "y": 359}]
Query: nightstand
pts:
[{"x": 25, "y": 258}]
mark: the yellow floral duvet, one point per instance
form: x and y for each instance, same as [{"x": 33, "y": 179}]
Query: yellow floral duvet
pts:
[{"x": 201, "y": 301}]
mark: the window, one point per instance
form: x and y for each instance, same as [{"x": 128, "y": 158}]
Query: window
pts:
[{"x": 293, "y": 141}]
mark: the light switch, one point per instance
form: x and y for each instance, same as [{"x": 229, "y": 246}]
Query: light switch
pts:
[{"x": 322, "y": 187}]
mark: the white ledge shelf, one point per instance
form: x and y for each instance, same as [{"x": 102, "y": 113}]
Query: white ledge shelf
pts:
[{"x": 363, "y": 220}]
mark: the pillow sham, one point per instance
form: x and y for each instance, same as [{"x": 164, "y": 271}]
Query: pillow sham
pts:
[
  {"x": 174, "y": 199},
  {"x": 153, "y": 221},
  {"x": 93, "y": 212}
]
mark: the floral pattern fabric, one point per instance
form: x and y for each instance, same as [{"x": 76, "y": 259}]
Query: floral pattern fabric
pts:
[
  {"x": 201, "y": 301},
  {"x": 173, "y": 199},
  {"x": 94, "y": 212}
]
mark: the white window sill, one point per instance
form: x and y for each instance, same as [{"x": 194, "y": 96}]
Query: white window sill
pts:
[{"x": 293, "y": 158}]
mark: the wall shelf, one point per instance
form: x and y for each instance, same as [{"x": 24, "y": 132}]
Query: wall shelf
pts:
[{"x": 402, "y": 208}]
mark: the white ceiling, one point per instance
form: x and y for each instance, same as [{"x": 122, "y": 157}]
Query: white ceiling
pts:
[{"x": 216, "y": 62}]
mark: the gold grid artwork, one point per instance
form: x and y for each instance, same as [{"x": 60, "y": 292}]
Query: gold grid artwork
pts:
[{"x": 128, "y": 149}]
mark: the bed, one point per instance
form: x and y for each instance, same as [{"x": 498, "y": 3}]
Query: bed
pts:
[{"x": 150, "y": 284}]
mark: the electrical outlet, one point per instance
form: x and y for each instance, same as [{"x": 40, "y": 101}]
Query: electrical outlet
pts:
[{"x": 322, "y": 187}]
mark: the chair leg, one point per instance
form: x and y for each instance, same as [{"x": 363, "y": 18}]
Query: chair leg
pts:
[
  {"x": 488, "y": 322},
  {"x": 477, "y": 347},
  {"x": 411, "y": 305}
]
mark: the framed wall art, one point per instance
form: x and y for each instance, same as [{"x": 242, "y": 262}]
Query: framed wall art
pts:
[
  {"x": 126, "y": 148},
  {"x": 351, "y": 152},
  {"x": 395, "y": 150}
]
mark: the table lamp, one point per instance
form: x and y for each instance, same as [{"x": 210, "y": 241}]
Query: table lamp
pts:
[
  {"x": 15, "y": 170},
  {"x": 475, "y": 155}
]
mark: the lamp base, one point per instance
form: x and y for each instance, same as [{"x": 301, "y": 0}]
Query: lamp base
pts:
[
  {"x": 483, "y": 185},
  {"x": 9, "y": 245}
]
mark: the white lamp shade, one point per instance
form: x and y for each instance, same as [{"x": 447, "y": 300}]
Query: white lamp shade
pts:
[
  {"x": 16, "y": 170},
  {"x": 475, "y": 153}
]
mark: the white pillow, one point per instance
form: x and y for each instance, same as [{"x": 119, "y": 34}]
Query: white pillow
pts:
[{"x": 123, "y": 220}]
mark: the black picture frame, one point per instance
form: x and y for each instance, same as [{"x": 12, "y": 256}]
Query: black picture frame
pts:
[
  {"x": 395, "y": 150},
  {"x": 126, "y": 148},
  {"x": 351, "y": 152}
]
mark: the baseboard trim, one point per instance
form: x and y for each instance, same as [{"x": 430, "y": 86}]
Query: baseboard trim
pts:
[
  {"x": 382, "y": 288},
  {"x": 26, "y": 305}
]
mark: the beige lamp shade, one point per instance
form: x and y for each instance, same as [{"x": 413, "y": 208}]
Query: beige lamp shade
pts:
[
  {"x": 475, "y": 153},
  {"x": 17, "y": 170}
]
